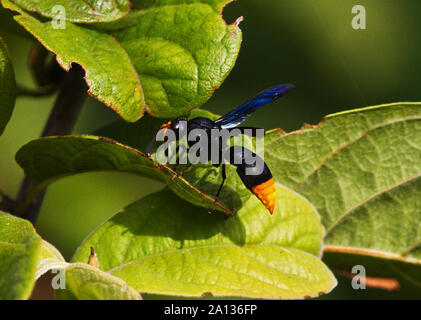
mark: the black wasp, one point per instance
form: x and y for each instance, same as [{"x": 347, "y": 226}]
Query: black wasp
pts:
[{"x": 257, "y": 180}]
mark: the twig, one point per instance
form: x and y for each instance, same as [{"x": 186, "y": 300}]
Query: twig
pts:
[
  {"x": 6, "y": 204},
  {"x": 389, "y": 284},
  {"x": 60, "y": 122}
]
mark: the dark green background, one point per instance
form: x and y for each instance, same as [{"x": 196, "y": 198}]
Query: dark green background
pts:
[{"x": 309, "y": 43}]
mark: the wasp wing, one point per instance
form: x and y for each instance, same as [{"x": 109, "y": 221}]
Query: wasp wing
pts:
[{"x": 241, "y": 113}]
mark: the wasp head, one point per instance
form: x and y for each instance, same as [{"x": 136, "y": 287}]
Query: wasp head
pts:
[{"x": 178, "y": 126}]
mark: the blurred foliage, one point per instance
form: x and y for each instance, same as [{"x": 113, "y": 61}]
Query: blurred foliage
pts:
[{"x": 309, "y": 43}]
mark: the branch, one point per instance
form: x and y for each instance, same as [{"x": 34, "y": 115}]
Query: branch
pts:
[
  {"x": 6, "y": 204},
  {"x": 60, "y": 122},
  {"x": 373, "y": 282}
]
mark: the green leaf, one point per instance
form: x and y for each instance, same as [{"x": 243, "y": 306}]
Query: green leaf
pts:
[
  {"x": 182, "y": 53},
  {"x": 19, "y": 252},
  {"x": 171, "y": 247},
  {"x": 47, "y": 159},
  {"x": 80, "y": 280},
  {"x": 166, "y": 60},
  {"x": 217, "y": 5},
  {"x": 49, "y": 258},
  {"x": 7, "y": 86},
  {"x": 84, "y": 282},
  {"x": 25, "y": 257},
  {"x": 361, "y": 169},
  {"x": 109, "y": 72},
  {"x": 78, "y": 10}
]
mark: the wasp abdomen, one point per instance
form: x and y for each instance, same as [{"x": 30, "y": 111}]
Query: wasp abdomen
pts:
[
  {"x": 266, "y": 192},
  {"x": 255, "y": 175}
]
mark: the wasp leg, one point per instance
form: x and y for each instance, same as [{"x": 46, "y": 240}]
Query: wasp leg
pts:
[
  {"x": 178, "y": 157},
  {"x": 177, "y": 148},
  {"x": 224, "y": 177},
  {"x": 179, "y": 174},
  {"x": 149, "y": 147}
]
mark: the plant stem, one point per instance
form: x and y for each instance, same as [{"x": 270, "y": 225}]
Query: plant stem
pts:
[
  {"x": 38, "y": 92},
  {"x": 62, "y": 118},
  {"x": 6, "y": 203}
]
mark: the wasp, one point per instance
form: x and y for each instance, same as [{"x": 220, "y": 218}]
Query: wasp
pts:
[{"x": 255, "y": 175}]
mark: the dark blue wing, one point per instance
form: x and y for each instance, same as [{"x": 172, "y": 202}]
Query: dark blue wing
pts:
[{"x": 241, "y": 113}]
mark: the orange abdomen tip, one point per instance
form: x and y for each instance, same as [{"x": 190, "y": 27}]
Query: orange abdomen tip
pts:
[{"x": 266, "y": 192}]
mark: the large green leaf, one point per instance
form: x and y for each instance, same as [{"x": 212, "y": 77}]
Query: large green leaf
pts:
[
  {"x": 162, "y": 244},
  {"x": 7, "y": 86},
  {"x": 80, "y": 280},
  {"x": 79, "y": 10},
  {"x": 109, "y": 72},
  {"x": 84, "y": 282},
  {"x": 19, "y": 250},
  {"x": 217, "y": 5},
  {"x": 167, "y": 59},
  {"x": 361, "y": 169},
  {"x": 49, "y": 258},
  {"x": 24, "y": 257},
  {"x": 182, "y": 53}
]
